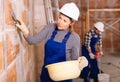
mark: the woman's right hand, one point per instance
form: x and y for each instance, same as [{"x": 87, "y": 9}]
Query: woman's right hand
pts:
[
  {"x": 22, "y": 27},
  {"x": 92, "y": 56}
]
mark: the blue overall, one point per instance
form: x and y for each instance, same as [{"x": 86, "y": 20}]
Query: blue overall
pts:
[
  {"x": 54, "y": 52},
  {"x": 92, "y": 68}
]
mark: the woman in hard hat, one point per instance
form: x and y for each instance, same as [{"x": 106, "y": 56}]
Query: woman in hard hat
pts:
[
  {"x": 92, "y": 39},
  {"x": 61, "y": 42}
]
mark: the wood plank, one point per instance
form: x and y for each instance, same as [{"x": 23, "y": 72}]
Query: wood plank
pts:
[{"x": 117, "y": 9}]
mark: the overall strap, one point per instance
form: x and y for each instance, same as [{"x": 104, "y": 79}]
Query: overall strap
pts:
[
  {"x": 93, "y": 34},
  {"x": 66, "y": 37},
  {"x": 54, "y": 33}
]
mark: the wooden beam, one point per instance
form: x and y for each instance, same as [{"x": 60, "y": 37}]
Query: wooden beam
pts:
[
  {"x": 118, "y": 9},
  {"x": 92, "y": 18}
]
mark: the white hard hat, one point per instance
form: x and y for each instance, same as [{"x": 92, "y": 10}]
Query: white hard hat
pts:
[
  {"x": 99, "y": 26},
  {"x": 70, "y": 10}
]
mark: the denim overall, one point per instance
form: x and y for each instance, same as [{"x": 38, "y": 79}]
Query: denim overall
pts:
[
  {"x": 92, "y": 69},
  {"x": 54, "y": 52}
]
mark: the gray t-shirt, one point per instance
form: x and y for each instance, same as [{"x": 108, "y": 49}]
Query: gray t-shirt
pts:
[{"x": 72, "y": 45}]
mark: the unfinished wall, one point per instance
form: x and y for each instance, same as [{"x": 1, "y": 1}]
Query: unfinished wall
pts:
[
  {"x": 21, "y": 62},
  {"x": 16, "y": 56}
]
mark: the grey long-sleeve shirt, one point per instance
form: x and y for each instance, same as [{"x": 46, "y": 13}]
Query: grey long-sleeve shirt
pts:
[{"x": 72, "y": 45}]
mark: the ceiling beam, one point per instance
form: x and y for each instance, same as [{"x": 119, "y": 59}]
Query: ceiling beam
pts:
[{"x": 117, "y": 9}]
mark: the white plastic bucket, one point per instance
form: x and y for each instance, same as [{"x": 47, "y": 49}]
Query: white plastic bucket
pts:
[
  {"x": 102, "y": 77},
  {"x": 67, "y": 69}
]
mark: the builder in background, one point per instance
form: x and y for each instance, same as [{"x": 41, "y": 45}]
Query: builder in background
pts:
[{"x": 91, "y": 45}]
